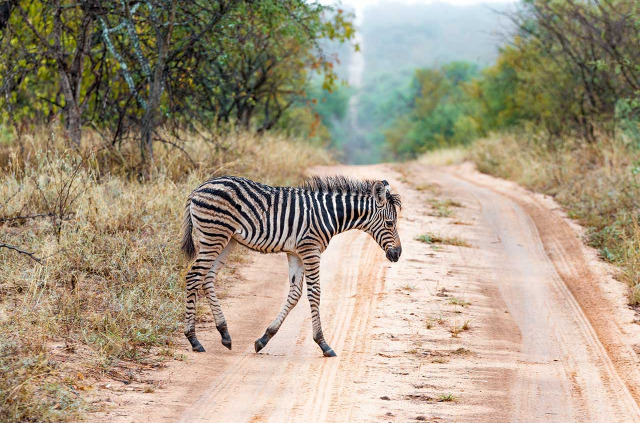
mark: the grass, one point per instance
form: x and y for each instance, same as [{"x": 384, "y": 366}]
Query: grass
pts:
[
  {"x": 429, "y": 323},
  {"x": 458, "y": 302},
  {"x": 431, "y": 238},
  {"x": 431, "y": 320},
  {"x": 109, "y": 286},
  {"x": 429, "y": 187},
  {"x": 442, "y": 208},
  {"x": 462, "y": 223},
  {"x": 462, "y": 351},
  {"x": 445, "y": 156},
  {"x": 447, "y": 398},
  {"x": 597, "y": 183},
  {"x": 456, "y": 329}
]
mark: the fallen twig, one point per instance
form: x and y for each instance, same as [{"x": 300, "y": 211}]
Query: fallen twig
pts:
[
  {"x": 11, "y": 197},
  {"x": 31, "y": 216},
  {"x": 26, "y": 253}
]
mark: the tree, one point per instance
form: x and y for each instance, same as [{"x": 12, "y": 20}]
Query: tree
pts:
[
  {"x": 592, "y": 46},
  {"x": 129, "y": 68},
  {"x": 441, "y": 111},
  {"x": 49, "y": 39}
]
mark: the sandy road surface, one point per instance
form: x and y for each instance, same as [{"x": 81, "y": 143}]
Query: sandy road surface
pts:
[{"x": 521, "y": 325}]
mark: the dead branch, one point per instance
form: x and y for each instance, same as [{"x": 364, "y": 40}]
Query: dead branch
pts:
[
  {"x": 26, "y": 253},
  {"x": 31, "y": 216}
]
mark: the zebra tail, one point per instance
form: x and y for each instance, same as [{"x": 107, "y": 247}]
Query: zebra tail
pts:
[{"x": 187, "y": 246}]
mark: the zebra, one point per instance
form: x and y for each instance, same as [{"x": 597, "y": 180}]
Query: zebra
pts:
[{"x": 299, "y": 221}]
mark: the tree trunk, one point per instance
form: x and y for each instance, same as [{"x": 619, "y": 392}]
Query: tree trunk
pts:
[
  {"x": 71, "y": 75},
  {"x": 5, "y": 12},
  {"x": 150, "y": 119},
  {"x": 74, "y": 125}
]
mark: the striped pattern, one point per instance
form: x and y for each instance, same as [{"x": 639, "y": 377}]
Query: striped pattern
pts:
[{"x": 299, "y": 221}]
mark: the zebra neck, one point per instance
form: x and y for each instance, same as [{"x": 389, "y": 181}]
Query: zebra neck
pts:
[
  {"x": 363, "y": 208},
  {"x": 343, "y": 212}
]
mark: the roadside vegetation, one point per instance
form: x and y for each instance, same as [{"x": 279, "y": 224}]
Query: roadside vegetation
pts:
[
  {"x": 110, "y": 114},
  {"x": 431, "y": 238},
  {"x": 570, "y": 71},
  {"x": 597, "y": 183},
  {"x": 99, "y": 284},
  {"x": 558, "y": 112}
]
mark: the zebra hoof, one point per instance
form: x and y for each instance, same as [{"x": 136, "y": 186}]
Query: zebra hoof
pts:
[
  {"x": 195, "y": 344},
  {"x": 226, "y": 342},
  {"x": 259, "y": 345},
  {"x": 329, "y": 353}
]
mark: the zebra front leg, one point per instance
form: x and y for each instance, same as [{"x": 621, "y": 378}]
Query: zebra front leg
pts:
[
  {"x": 203, "y": 263},
  {"x": 209, "y": 290},
  {"x": 296, "y": 275},
  {"x": 312, "y": 273}
]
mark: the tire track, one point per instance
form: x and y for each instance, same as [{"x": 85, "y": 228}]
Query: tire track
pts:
[
  {"x": 545, "y": 345},
  {"x": 349, "y": 283},
  {"x": 602, "y": 383}
]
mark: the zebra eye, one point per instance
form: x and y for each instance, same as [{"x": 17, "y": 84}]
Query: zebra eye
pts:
[{"x": 388, "y": 223}]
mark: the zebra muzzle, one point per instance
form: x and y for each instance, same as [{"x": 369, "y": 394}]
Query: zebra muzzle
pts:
[{"x": 393, "y": 254}]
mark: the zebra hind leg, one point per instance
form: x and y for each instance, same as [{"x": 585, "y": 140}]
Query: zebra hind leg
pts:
[
  {"x": 296, "y": 276},
  {"x": 312, "y": 273},
  {"x": 204, "y": 261},
  {"x": 209, "y": 290}
]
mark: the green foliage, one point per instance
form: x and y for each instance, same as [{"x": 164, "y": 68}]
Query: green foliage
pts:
[
  {"x": 396, "y": 40},
  {"x": 441, "y": 112},
  {"x": 571, "y": 69},
  {"x": 129, "y": 68}
]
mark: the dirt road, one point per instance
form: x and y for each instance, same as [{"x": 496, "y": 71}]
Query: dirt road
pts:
[{"x": 516, "y": 321}]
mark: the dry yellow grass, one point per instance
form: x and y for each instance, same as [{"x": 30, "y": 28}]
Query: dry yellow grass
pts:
[
  {"x": 431, "y": 238},
  {"x": 109, "y": 288},
  {"x": 444, "y": 156},
  {"x": 597, "y": 183}
]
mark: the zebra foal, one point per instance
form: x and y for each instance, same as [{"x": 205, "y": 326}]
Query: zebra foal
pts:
[{"x": 299, "y": 221}]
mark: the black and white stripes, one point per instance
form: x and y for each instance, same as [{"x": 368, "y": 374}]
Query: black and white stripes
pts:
[{"x": 299, "y": 221}]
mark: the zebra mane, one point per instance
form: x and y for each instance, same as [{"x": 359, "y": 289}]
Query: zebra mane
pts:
[{"x": 344, "y": 185}]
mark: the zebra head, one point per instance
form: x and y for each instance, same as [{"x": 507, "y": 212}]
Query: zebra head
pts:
[{"x": 383, "y": 223}]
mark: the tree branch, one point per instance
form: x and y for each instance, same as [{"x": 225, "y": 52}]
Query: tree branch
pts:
[
  {"x": 32, "y": 216},
  {"x": 26, "y": 253}
]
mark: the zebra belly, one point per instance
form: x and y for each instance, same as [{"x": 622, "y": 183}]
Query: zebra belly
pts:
[{"x": 265, "y": 243}]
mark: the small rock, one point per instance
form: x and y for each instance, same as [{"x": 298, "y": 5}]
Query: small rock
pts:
[
  {"x": 421, "y": 418},
  {"x": 386, "y": 398}
]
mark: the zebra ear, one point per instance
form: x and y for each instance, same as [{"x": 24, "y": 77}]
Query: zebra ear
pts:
[{"x": 379, "y": 192}]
